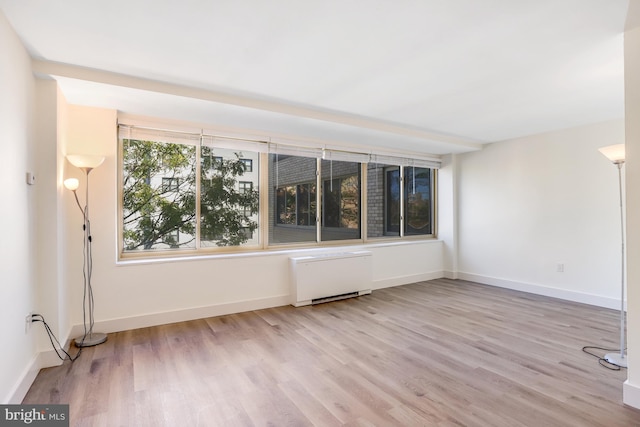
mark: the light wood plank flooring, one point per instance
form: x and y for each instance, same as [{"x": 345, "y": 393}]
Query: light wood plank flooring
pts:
[{"x": 437, "y": 353}]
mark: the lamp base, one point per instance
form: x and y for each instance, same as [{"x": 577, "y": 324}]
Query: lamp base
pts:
[
  {"x": 616, "y": 359},
  {"x": 91, "y": 339}
]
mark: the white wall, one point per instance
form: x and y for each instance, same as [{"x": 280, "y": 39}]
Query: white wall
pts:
[
  {"x": 632, "y": 165},
  {"x": 130, "y": 295},
  {"x": 529, "y": 204},
  {"x": 448, "y": 214},
  {"x": 17, "y": 260},
  {"x": 49, "y": 249}
]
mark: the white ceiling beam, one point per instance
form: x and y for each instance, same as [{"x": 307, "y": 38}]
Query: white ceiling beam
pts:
[{"x": 49, "y": 68}]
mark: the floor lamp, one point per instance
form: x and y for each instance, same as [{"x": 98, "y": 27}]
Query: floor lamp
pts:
[
  {"x": 86, "y": 164},
  {"x": 615, "y": 153}
]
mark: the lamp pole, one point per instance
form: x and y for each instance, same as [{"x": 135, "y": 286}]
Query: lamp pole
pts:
[{"x": 614, "y": 358}]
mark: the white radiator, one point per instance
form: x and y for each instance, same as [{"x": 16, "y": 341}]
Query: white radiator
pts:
[{"x": 323, "y": 278}]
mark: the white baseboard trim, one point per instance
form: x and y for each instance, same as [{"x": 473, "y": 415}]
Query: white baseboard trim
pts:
[
  {"x": 405, "y": 280},
  {"x": 453, "y": 275},
  {"x": 631, "y": 394},
  {"x": 49, "y": 358},
  {"x": 20, "y": 389},
  {"x": 564, "y": 294},
  {"x": 156, "y": 319},
  {"x": 44, "y": 359}
]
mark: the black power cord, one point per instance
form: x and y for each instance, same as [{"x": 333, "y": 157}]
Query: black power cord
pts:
[
  {"x": 52, "y": 338},
  {"x": 601, "y": 360}
]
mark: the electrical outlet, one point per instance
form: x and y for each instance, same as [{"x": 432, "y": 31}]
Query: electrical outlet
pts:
[
  {"x": 28, "y": 321},
  {"x": 31, "y": 178}
]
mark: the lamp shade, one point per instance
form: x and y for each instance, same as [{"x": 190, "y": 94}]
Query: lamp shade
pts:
[
  {"x": 84, "y": 161},
  {"x": 71, "y": 184},
  {"x": 615, "y": 153}
]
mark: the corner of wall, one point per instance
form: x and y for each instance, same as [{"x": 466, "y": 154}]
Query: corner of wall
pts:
[{"x": 631, "y": 394}]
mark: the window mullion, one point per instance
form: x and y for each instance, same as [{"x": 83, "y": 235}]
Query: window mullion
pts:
[
  {"x": 402, "y": 183},
  {"x": 319, "y": 195},
  {"x": 263, "y": 204},
  {"x": 198, "y": 189},
  {"x": 364, "y": 211}
]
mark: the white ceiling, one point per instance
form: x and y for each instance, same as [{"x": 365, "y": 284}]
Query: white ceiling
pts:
[{"x": 435, "y": 76}]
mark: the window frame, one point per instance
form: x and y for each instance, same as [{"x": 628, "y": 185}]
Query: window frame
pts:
[
  {"x": 386, "y": 229},
  {"x": 248, "y": 164},
  {"x": 264, "y": 215},
  {"x": 242, "y": 186},
  {"x": 170, "y": 184},
  {"x": 405, "y": 223},
  {"x": 339, "y": 180}
]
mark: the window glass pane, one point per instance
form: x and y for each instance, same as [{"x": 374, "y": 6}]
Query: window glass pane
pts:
[
  {"x": 383, "y": 200},
  {"x": 292, "y": 199},
  {"x": 306, "y": 204},
  {"x": 340, "y": 200},
  {"x": 158, "y": 195},
  {"x": 229, "y": 200},
  {"x": 392, "y": 202},
  {"x": 287, "y": 214},
  {"x": 417, "y": 211}
]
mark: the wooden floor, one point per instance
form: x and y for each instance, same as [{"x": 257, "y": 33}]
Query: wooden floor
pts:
[{"x": 438, "y": 353}]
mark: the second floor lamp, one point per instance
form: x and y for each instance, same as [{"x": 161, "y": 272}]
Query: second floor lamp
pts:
[{"x": 616, "y": 154}]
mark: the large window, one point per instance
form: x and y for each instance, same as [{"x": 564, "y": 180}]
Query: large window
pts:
[
  {"x": 417, "y": 201},
  {"x": 292, "y": 199},
  {"x": 158, "y": 195},
  {"x": 340, "y": 200},
  {"x": 400, "y": 201},
  {"x": 229, "y": 200},
  {"x": 170, "y": 201},
  {"x": 187, "y": 192},
  {"x": 297, "y": 205}
]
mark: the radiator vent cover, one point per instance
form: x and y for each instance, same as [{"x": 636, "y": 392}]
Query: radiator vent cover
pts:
[{"x": 329, "y": 277}]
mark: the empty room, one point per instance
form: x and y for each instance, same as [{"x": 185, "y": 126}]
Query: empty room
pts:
[{"x": 320, "y": 213}]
